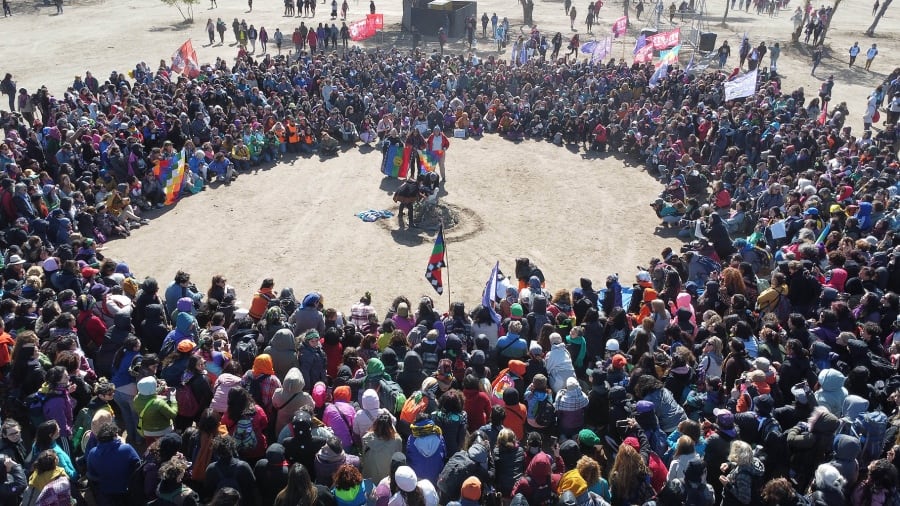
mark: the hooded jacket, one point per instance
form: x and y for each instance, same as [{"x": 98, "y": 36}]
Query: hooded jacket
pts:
[
  {"x": 312, "y": 364},
  {"x": 152, "y": 329},
  {"x": 287, "y": 399},
  {"x": 328, "y": 461},
  {"x": 478, "y": 408},
  {"x": 283, "y": 351},
  {"x": 412, "y": 376},
  {"x": 425, "y": 450},
  {"x": 307, "y": 316},
  {"x": 339, "y": 416},
  {"x": 539, "y": 471},
  {"x": 846, "y": 450},
  {"x": 224, "y": 384},
  {"x": 115, "y": 337},
  {"x": 559, "y": 367},
  {"x": 832, "y": 394}
]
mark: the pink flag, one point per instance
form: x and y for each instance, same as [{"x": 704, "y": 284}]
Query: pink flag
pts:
[
  {"x": 665, "y": 40},
  {"x": 644, "y": 54},
  {"x": 619, "y": 26}
]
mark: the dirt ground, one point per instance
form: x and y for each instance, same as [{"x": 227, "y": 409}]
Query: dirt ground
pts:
[{"x": 573, "y": 216}]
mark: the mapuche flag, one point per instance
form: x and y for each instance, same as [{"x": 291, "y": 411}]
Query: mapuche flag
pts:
[{"x": 436, "y": 263}]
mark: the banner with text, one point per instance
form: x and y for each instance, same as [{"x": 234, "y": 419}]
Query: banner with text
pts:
[
  {"x": 665, "y": 40},
  {"x": 741, "y": 86}
]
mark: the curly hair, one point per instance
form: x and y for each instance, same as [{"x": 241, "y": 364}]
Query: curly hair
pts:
[
  {"x": 733, "y": 281},
  {"x": 589, "y": 469},
  {"x": 778, "y": 491},
  {"x": 347, "y": 477},
  {"x": 452, "y": 401}
]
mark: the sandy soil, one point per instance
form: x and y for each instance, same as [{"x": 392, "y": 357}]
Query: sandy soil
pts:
[{"x": 573, "y": 216}]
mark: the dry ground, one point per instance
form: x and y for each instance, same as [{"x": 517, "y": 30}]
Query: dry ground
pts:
[{"x": 295, "y": 222}]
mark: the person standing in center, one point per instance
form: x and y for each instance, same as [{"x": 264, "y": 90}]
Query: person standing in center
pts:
[{"x": 438, "y": 143}]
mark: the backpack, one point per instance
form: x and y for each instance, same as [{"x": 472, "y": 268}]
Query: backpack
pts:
[
  {"x": 545, "y": 413},
  {"x": 245, "y": 350},
  {"x": 873, "y": 426},
  {"x": 543, "y": 494},
  {"x": 35, "y": 403},
  {"x": 244, "y": 435},
  {"x": 430, "y": 358},
  {"x": 167, "y": 349},
  {"x": 187, "y": 402},
  {"x": 783, "y": 309},
  {"x": 391, "y": 396},
  {"x": 136, "y": 485},
  {"x": 415, "y": 404},
  {"x": 454, "y": 473},
  {"x": 535, "y": 322},
  {"x": 881, "y": 368}
]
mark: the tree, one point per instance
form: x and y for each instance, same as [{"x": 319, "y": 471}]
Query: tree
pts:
[
  {"x": 828, "y": 23},
  {"x": 799, "y": 31},
  {"x": 185, "y": 8},
  {"x": 727, "y": 5},
  {"x": 871, "y": 31}
]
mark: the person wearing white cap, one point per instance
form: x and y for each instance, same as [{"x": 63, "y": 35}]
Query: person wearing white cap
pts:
[
  {"x": 155, "y": 412},
  {"x": 407, "y": 484},
  {"x": 438, "y": 143}
]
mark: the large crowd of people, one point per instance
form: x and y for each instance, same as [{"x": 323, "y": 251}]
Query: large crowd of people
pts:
[{"x": 756, "y": 366}]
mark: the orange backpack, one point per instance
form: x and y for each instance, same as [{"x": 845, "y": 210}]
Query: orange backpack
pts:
[{"x": 415, "y": 404}]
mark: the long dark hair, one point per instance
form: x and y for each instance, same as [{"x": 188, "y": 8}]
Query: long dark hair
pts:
[
  {"x": 43, "y": 438},
  {"x": 299, "y": 490},
  {"x": 128, "y": 345},
  {"x": 239, "y": 402}
]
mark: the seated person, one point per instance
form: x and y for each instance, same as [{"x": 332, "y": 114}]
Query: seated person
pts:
[{"x": 328, "y": 144}]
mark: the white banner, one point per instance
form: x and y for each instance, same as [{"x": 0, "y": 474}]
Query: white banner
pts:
[{"x": 741, "y": 86}]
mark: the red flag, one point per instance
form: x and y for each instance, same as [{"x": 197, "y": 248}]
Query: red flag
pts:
[
  {"x": 823, "y": 116},
  {"x": 436, "y": 263},
  {"x": 620, "y": 26},
  {"x": 185, "y": 61}
]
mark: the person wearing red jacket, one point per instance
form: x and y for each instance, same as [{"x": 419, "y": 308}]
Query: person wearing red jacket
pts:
[
  {"x": 312, "y": 40},
  {"x": 477, "y": 403},
  {"x": 438, "y": 143},
  {"x": 600, "y": 137}
]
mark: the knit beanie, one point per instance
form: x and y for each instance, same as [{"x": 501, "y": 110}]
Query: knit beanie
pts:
[{"x": 147, "y": 386}]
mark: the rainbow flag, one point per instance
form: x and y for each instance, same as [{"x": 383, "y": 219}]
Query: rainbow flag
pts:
[
  {"x": 429, "y": 160},
  {"x": 396, "y": 161},
  {"x": 170, "y": 173}
]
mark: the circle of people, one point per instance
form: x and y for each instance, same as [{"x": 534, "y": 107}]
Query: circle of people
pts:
[{"x": 756, "y": 366}]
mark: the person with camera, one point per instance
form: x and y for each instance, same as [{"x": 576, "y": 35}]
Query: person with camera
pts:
[
  {"x": 156, "y": 408},
  {"x": 180, "y": 287}
]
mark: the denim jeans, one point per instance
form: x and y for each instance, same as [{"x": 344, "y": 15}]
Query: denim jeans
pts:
[{"x": 126, "y": 407}]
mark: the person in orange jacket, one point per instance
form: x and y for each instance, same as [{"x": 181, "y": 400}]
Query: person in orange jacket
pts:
[{"x": 261, "y": 299}]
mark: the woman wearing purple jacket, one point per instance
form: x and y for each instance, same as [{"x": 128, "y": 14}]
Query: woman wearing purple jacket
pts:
[{"x": 58, "y": 405}]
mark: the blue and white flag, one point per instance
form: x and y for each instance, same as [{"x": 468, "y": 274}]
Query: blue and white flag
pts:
[{"x": 490, "y": 288}]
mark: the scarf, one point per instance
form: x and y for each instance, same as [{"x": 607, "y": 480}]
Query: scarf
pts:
[
  {"x": 425, "y": 430},
  {"x": 582, "y": 349},
  {"x": 39, "y": 481}
]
